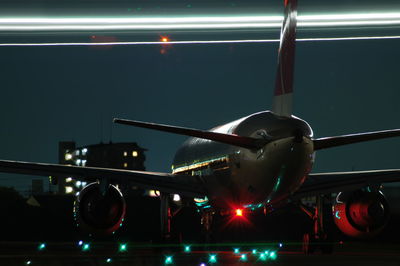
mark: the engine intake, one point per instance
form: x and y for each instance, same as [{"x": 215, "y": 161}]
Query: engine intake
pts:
[
  {"x": 361, "y": 214},
  {"x": 97, "y": 213}
]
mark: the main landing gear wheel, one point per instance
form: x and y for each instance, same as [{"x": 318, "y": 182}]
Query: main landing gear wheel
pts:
[
  {"x": 317, "y": 239},
  {"x": 308, "y": 246}
]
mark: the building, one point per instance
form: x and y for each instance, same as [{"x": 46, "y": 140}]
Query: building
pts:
[{"x": 126, "y": 155}]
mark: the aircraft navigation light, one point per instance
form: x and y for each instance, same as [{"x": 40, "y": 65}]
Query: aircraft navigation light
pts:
[
  {"x": 239, "y": 212},
  {"x": 169, "y": 260},
  {"x": 212, "y": 258},
  {"x": 164, "y": 39}
]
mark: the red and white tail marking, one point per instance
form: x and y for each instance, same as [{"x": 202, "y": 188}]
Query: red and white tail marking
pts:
[{"x": 282, "y": 102}]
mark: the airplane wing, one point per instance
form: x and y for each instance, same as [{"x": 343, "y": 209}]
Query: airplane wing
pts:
[
  {"x": 322, "y": 183},
  {"x": 184, "y": 185}
]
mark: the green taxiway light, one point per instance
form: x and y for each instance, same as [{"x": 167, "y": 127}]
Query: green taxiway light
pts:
[
  {"x": 266, "y": 252},
  {"x": 85, "y": 247},
  {"x": 28, "y": 262},
  {"x": 187, "y": 249},
  {"x": 42, "y": 246},
  {"x": 273, "y": 255},
  {"x": 236, "y": 250},
  {"x": 243, "y": 257},
  {"x": 212, "y": 258},
  {"x": 108, "y": 260},
  {"x": 123, "y": 247},
  {"x": 262, "y": 257},
  {"x": 254, "y": 251},
  {"x": 168, "y": 260}
]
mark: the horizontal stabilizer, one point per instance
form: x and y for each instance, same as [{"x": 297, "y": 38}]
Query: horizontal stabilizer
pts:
[
  {"x": 329, "y": 142},
  {"x": 240, "y": 141}
]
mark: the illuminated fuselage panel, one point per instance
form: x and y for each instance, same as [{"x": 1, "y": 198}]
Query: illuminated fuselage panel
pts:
[{"x": 235, "y": 176}]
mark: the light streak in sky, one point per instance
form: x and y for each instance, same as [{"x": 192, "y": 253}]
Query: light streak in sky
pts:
[
  {"x": 200, "y": 41},
  {"x": 193, "y": 22}
]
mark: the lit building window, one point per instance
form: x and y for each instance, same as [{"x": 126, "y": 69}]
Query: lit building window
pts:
[
  {"x": 154, "y": 193},
  {"x": 125, "y": 165},
  {"x": 68, "y": 179},
  {"x": 84, "y": 162},
  {"x": 134, "y": 154},
  {"x": 69, "y": 190},
  {"x": 125, "y": 153},
  {"x": 68, "y": 156},
  {"x": 84, "y": 151},
  {"x": 78, "y": 162}
]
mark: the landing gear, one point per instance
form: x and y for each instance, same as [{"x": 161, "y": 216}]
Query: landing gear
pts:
[
  {"x": 207, "y": 223},
  {"x": 166, "y": 217},
  {"x": 317, "y": 238}
]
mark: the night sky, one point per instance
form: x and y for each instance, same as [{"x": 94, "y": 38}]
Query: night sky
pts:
[{"x": 52, "y": 94}]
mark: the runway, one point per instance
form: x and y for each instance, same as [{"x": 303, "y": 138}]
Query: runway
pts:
[{"x": 112, "y": 253}]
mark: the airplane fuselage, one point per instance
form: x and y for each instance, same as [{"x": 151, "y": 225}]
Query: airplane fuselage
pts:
[{"x": 235, "y": 176}]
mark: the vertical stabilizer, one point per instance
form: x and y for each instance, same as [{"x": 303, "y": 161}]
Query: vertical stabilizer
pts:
[{"x": 282, "y": 101}]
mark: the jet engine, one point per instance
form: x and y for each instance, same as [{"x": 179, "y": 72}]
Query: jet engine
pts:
[
  {"x": 98, "y": 212},
  {"x": 361, "y": 214}
]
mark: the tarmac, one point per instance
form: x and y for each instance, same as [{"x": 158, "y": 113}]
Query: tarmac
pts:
[{"x": 113, "y": 253}]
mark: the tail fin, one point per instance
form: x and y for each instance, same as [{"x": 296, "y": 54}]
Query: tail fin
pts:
[{"x": 282, "y": 102}]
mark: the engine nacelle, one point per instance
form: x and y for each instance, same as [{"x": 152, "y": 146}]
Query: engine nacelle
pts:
[
  {"x": 361, "y": 214},
  {"x": 97, "y": 213}
]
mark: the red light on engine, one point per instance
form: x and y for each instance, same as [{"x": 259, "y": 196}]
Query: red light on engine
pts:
[
  {"x": 164, "y": 39},
  {"x": 239, "y": 212}
]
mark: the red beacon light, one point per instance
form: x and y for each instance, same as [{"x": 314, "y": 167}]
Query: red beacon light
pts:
[
  {"x": 164, "y": 39},
  {"x": 239, "y": 212}
]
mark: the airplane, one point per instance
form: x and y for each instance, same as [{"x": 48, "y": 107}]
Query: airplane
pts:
[{"x": 262, "y": 161}]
